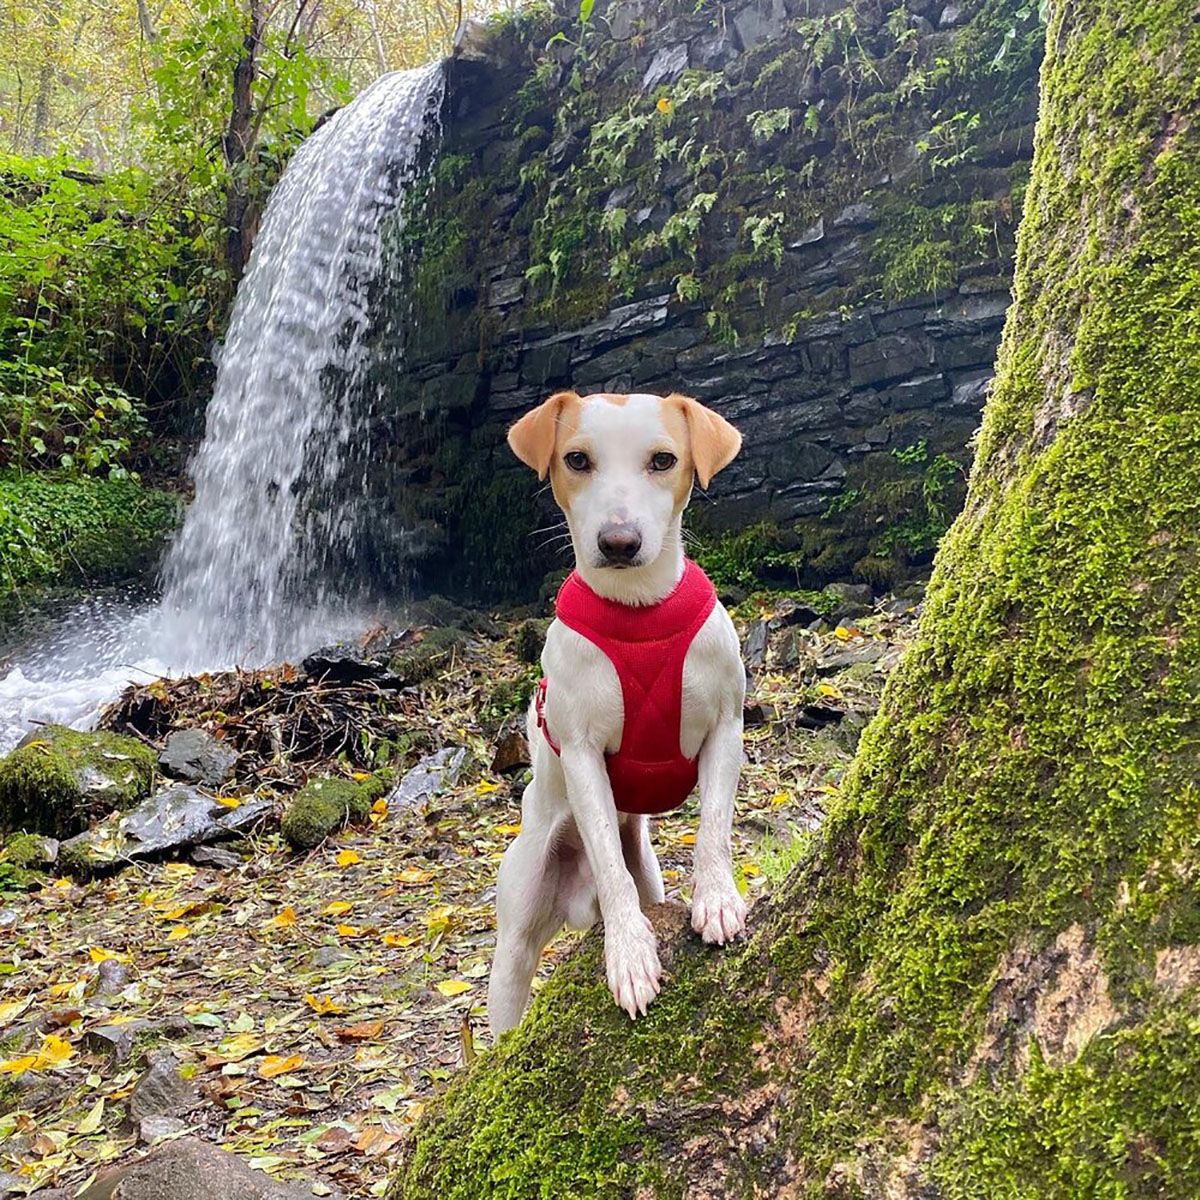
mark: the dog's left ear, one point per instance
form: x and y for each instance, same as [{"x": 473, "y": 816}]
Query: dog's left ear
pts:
[
  {"x": 532, "y": 437},
  {"x": 714, "y": 441}
]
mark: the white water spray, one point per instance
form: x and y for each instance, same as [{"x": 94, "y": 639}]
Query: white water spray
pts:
[{"x": 243, "y": 581}]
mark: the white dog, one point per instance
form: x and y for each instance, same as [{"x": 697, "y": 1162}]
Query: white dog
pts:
[{"x": 642, "y": 695}]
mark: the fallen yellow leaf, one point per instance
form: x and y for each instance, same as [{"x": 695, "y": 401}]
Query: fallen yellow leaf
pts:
[
  {"x": 350, "y": 931},
  {"x": 179, "y": 933},
  {"x": 398, "y": 939},
  {"x": 53, "y": 1052},
  {"x": 323, "y": 1005},
  {"x": 98, "y": 955},
  {"x": 91, "y": 1122},
  {"x": 453, "y": 987},
  {"x": 508, "y": 830},
  {"x": 485, "y": 787},
  {"x": 273, "y": 1065},
  {"x": 285, "y": 917},
  {"x": 10, "y": 1010},
  {"x": 339, "y": 908},
  {"x": 229, "y": 802},
  {"x": 347, "y": 858},
  {"x": 414, "y": 875},
  {"x": 781, "y": 798}
]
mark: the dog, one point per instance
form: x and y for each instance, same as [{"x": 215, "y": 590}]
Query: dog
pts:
[{"x": 639, "y": 632}]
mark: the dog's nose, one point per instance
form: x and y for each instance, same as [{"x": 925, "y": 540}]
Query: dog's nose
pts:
[{"x": 619, "y": 543}]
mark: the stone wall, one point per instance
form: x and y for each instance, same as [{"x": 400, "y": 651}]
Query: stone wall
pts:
[{"x": 800, "y": 213}]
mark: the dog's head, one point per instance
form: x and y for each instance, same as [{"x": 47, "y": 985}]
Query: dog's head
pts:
[{"x": 621, "y": 467}]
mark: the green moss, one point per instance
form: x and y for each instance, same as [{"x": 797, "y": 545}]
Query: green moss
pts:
[
  {"x": 64, "y": 778},
  {"x": 426, "y": 657},
  {"x": 323, "y": 806}
]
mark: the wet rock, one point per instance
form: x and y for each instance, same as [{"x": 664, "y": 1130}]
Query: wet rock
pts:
[
  {"x": 341, "y": 663},
  {"x": 512, "y": 752},
  {"x": 189, "y": 1169},
  {"x": 195, "y": 755},
  {"x": 161, "y": 1092},
  {"x": 666, "y": 66},
  {"x": 57, "y": 780},
  {"x": 216, "y": 857},
  {"x": 172, "y": 820},
  {"x": 434, "y": 772},
  {"x": 755, "y": 713},
  {"x": 755, "y": 649},
  {"x": 789, "y": 612}
]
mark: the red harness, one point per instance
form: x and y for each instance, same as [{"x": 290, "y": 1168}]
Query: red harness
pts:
[{"x": 646, "y": 645}]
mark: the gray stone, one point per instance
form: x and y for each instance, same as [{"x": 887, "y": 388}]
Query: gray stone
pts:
[
  {"x": 971, "y": 393},
  {"x": 189, "y": 1169},
  {"x": 920, "y": 392},
  {"x": 868, "y": 652},
  {"x": 154, "y": 1129},
  {"x": 217, "y": 858},
  {"x": 434, "y": 772},
  {"x": 111, "y": 976},
  {"x": 666, "y": 66},
  {"x": 952, "y": 15},
  {"x": 810, "y": 236},
  {"x": 755, "y": 650},
  {"x": 161, "y": 1092},
  {"x": 856, "y": 216},
  {"x": 851, "y": 599},
  {"x": 196, "y": 755},
  {"x": 760, "y": 22},
  {"x": 172, "y": 820},
  {"x": 886, "y": 359}
]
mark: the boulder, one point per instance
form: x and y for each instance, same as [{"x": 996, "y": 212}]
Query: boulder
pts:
[
  {"x": 172, "y": 820},
  {"x": 161, "y": 1092},
  {"x": 195, "y": 755},
  {"x": 187, "y": 1169},
  {"x": 58, "y": 780}
]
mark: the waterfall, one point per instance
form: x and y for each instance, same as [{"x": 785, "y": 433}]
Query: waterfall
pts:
[{"x": 279, "y": 474}]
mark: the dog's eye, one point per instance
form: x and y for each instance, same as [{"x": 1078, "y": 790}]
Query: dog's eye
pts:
[
  {"x": 662, "y": 461},
  {"x": 577, "y": 460}
]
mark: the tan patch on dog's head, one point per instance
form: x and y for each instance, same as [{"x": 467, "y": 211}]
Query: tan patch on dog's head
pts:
[
  {"x": 714, "y": 443},
  {"x": 534, "y": 437}
]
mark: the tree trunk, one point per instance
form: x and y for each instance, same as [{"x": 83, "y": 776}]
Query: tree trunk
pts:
[
  {"x": 982, "y": 981},
  {"x": 240, "y": 217}
]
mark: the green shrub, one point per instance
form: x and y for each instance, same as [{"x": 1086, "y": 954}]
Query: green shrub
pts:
[{"x": 59, "y": 530}]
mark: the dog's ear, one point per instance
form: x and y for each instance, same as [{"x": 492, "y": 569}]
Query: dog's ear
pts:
[
  {"x": 714, "y": 441},
  {"x": 532, "y": 437}
]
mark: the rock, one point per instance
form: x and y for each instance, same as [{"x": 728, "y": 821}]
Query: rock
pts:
[
  {"x": 434, "y": 772},
  {"x": 57, "y": 780},
  {"x": 512, "y": 752},
  {"x": 755, "y": 713},
  {"x": 755, "y": 650},
  {"x": 817, "y": 716},
  {"x": 161, "y": 1092},
  {"x": 116, "y": 1041},
  {"x": 322, "y": 806},
  {"x": 169, "y": 821},
  {"x": 10, "y": 918},
  {"x": 789, "y": 612},
  {"x": 850, "y": 599},
  {"x": 11, "y": 1185},
  {"x": 473, "y": 42},
  {"x": 30, "y": 850},
  {"x": 111, "y": 976},
  {"x": 330, "y": 956},
  {"x": 952, "y": 15},
  {"x": 666, "y": 66},
  {"x": 216, "y": 857},
  {"x": 868, "y": 652},
  {"x": 153, "y": 1129},
  {"x": 189, "y": 1169},
  {"x": 196, "y": 755},
  {"x": 423, "y": 658}
]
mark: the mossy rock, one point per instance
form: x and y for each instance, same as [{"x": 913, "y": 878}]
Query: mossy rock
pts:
[
  {"x": 23, "y": 858},
  {"x": 435, "y": 650},
  {"x": 59, "y": 780},
  {"x": 322, "y": 806}
]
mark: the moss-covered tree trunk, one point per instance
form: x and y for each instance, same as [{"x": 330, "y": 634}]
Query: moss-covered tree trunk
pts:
[{"x": 983, "y": 981}]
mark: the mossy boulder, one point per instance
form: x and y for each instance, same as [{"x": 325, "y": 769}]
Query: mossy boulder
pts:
[
  {"x": 23, "y": 858},
  {"x": 322, "y": 806},
  {"x": 58, "y": 780}
]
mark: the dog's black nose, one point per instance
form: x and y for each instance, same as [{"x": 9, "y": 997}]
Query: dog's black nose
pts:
[{"x": 619, "y": 543}]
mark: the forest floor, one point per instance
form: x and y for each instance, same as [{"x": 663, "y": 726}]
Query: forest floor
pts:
[{"x": 304, "y": 1008}]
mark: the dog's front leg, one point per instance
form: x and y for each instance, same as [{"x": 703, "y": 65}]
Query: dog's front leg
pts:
[
  {"x": 718, "y": 910},
  {"x": 630, "y": 949}
]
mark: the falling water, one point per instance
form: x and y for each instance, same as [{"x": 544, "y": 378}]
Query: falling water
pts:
[{"x": 276, "y": 490}]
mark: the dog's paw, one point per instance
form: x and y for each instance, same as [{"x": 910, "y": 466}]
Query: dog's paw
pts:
[
  {"x": 631, "y": 962},
  {"x": 718, "y": 911}
]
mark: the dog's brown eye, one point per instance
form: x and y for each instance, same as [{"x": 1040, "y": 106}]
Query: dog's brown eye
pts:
[
  {"x": 662, "y": 461},
  {"x": 577, "y": 460}
]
